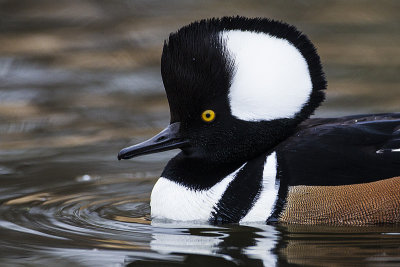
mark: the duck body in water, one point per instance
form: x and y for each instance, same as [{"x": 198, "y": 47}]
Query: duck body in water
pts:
[{"x": 241, "y": 92}]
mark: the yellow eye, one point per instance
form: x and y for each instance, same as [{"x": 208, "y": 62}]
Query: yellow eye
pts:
[{"x": 208, "y": 115}]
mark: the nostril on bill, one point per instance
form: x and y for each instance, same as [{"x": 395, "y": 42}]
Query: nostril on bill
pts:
[{"x": 159, "y": 139}]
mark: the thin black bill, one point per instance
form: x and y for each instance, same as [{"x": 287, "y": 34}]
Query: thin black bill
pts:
[{"x": 167, "y": 139}]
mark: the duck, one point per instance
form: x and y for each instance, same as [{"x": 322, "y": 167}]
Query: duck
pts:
[{"x": 241, "y": 92}]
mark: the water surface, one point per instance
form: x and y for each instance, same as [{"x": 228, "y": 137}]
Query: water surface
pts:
[{"x": 79, "y": 80}]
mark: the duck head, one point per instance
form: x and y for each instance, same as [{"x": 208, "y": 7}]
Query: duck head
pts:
[{"x": 236, "y": 87}]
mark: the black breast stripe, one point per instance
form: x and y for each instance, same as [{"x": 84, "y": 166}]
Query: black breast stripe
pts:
[
  {"x": 241, "y": 193},
  {"x": 282, "y": 192}
]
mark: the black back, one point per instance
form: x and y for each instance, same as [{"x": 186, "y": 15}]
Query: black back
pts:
[{"x": 341, "y": 151}]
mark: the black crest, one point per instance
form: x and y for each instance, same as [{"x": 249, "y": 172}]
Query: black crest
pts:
[{"x": 195, "y": 66}]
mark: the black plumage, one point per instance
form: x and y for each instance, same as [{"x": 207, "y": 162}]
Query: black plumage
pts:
[{"x": 342, "y": 151}]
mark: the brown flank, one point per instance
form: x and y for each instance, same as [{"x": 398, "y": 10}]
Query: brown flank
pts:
[{"x": 357, "y": 204}]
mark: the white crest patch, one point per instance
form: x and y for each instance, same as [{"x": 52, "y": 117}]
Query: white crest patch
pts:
[
  {"x": 271, "y": 78},
  {"x": 170, "y": 200},
  {"x": 263, "y": 207}
]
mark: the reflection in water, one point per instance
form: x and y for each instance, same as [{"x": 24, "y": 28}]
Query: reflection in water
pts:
[
  {"x": 191, "y": 241},
  {"x": 228, "y": 245},
  {"x": 334, "y": 246},
  {"x": 113, "y": 230},
  {"x": 80, "y": 79}
]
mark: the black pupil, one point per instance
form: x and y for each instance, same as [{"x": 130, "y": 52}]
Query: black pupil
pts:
[{"x": 208, "y": 115}]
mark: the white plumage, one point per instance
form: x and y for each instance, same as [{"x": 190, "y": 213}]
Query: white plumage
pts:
[{"x": 271, "y": 78}]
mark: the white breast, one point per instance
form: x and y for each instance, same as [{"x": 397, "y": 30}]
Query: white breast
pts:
[
  {"x": 263, "y": 207},
  {"x": 170, "y": 200}
]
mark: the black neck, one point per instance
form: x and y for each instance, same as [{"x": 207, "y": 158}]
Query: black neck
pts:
[{"x": 196, "y": 173}]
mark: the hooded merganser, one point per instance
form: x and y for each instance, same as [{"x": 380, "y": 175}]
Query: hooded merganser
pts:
[{"x": 241, "y": 92}]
